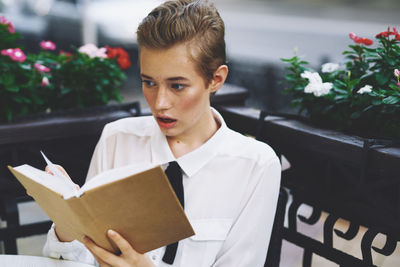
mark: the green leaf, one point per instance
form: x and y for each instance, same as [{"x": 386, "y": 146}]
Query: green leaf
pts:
[
  {"x": 340, "y": 83},
  {"x": 391, "y": 100},
  {"x": 340, "y": 97},
  {"x": 382, "y": 77},
  {"x": 12, "y": 88},
  {"x": 394, "y": 86},
  {"x": 352, "y": 83},
  {"x": 376, "y": 102}
]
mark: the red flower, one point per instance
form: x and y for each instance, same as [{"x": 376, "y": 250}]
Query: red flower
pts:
[
  {"x": 360, "y": 40},
  {"x": 67, "y": 54},
  {"x": 121, "y": 55},
  {"x": 388, "y": 33}
]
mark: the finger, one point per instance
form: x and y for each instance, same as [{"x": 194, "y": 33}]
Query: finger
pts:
[
  {"x": 101, "y": 263},
  {"x": 62, "y": 170},
  {"x": 47, "y": 169},
  {"x": 121, "y": 242},
  {"x": 102, "y": 254}
]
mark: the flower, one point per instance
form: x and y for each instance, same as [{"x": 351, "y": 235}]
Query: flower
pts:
[
  {"x": 329, "y": 67},
  {"x": 361, "y": 96},
  {"x": 67, "y": 54},
  {"x": 18, "y": 55},
  {"x": 47, "y": 45},
  {"x": 41, "y": 68},
  {"x": 7, "y": 52},
  {"x": 15, "y": 54},
  {"x": 388, "y": 33},
  {"x": 4, "y": 21},
  {"x": 365, "y": 89},
  {"x": 122, "y": 56},
  {"x": 315, "y": 85},
  {"x": 45, "y": 82},
  {"x": 93, "y": 51},
  {"x": 360, "y": 40}
]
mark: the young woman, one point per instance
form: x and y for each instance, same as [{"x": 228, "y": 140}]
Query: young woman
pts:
[{"x": 231, "y": 182}]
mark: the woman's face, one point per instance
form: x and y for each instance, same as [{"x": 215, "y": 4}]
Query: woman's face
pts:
[{"x": 176, "y": 92}]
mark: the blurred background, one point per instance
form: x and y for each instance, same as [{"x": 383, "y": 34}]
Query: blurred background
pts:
[{"x": 258, "y": 33}]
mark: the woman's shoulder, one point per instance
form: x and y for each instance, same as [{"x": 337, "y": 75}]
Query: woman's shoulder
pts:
[
  {"x": 140, "y": 126},
  {"x": 250, "y": 148}
]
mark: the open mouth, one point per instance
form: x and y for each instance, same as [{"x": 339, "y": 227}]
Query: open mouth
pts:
[{"x": 166, "y": 120}]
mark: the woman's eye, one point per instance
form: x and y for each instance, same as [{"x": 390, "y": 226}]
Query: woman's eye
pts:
[
  {"x": 148, "y": 83},
  {"x": 178, "y": 86}
]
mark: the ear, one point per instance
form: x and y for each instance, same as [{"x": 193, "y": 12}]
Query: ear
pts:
[{"x": 219, "y": 78}]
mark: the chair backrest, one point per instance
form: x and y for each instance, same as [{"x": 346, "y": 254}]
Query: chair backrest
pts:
[{"x": 275, "y": 243}]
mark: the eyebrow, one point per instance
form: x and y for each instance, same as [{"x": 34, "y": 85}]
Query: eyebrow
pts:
[{"x": 178, "y": 78}]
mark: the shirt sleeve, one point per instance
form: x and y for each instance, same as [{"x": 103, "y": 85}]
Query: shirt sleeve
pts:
[
  {"x": 248, "y": 240},
  {"x": 74, "y": 251}
]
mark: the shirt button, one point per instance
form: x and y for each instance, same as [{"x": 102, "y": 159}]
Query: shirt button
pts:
[{"x": 154, "y": 257}]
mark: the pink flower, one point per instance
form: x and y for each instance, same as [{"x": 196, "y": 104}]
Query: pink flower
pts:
[
  {"x": 398, "y": 83},
  {"x": 397, "y": 73},
  {"x": 15, "y": 54},
  {"x": 41, "y": 68},
  {"x": 4, "y": 21},
  {"x": 7, "y": 52},
  {"x": 47, "y": 45},
  {"x": 18, "y": 55},
  {"x": 45, "y": 82},
  {"x": 93, "y": 51}
]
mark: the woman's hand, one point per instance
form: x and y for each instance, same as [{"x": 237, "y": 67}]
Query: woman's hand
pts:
[{"x": 128, "y": 258}]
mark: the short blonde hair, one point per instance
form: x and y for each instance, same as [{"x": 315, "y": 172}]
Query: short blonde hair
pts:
[{"x": 197, "y": 23}]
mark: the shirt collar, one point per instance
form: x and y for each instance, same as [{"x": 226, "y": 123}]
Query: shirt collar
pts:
[{"x": 194, "y": 160}]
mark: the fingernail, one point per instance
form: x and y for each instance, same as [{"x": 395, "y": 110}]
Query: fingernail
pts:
[
  {"x": 111, "y": 232},
  {"x": 85, "y": 239}
]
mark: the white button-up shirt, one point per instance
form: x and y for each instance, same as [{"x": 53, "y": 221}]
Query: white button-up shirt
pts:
[{"x": 231, "y": 186}]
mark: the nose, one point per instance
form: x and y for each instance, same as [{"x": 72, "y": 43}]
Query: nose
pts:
[{"x": 163, "y": 99}]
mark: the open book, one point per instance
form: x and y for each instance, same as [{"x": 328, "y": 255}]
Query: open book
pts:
[{"x": 137, "y": 201}]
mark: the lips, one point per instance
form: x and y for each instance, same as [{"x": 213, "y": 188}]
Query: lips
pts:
[{"x": 166, "y": 122}]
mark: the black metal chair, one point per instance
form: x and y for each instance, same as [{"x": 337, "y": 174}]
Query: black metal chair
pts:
[{"x": 275, "y": 243}]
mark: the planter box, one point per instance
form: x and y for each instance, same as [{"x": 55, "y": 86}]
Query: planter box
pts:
[{"x": 330, "y": 170}]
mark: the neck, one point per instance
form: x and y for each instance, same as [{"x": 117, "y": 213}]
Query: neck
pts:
[{"x": 181, "y": 145}]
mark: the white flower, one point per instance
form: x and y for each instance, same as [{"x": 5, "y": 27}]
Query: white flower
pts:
[
  {"x": 313, "y": 77},
  {"x": 315, "y": 85},
  {"x": 329, "y": 67},
  {"x": 93, "y": 51},
  {"x": 366, "y": 89},
  {"x": 318, "y": 89}
]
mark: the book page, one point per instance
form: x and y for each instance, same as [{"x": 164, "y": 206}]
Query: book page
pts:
[
  {"x": 62, "y": 186},
  {"x": 115, "y": 175}
]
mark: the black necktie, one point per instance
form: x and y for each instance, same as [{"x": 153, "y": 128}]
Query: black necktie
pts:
[{"x": 174, "y": 175}]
